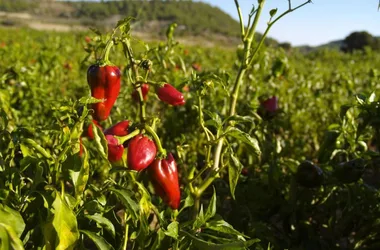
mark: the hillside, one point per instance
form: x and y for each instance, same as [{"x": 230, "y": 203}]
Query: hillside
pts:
[{"x": 194, "y": 19}]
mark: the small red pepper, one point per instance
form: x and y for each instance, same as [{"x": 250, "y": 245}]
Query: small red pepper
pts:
[
  {"x": 170, "y": 95},
  {"x": 115, "y": 150},
  {"x": 104, "y": 82},
  {"x": 90, "y": 129},
  {"x": 119, "y": 129},
  {"x": 164, "y": 176},
  {"x": 270, "y": 104},
  {"x": 196, "y": 67},
  {"x": 144, "y": 90},
  {"x": 141, "y": 152}
]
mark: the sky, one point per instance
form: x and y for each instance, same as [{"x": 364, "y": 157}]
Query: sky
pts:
[{"x": 316, "y": 23}]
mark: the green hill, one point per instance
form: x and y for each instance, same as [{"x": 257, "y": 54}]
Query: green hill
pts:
[{"x": 194, "y": 18}]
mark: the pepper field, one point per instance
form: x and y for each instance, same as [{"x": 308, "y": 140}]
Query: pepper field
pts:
[{"x": 302, "y": 176}]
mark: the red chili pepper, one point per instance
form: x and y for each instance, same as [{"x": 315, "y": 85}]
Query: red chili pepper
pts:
[
  {"x": 141, "y": 152},
  {"x": 270, "y": 104},
  {"x": 245, "y": 171},
  {"x": 104, "y": 82},
  {"x": 119, "y": 129},
  {"x": 170, "y": 95},
  {"x": 196, "y": 67},
  {"x": 144, "y": 90},
  {"x": 115, "y": 150},
  {"x": 164, "y": 176},
  {"x": 90, "y": 131}
]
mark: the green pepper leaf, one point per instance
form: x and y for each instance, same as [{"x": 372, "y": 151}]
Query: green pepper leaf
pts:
[
  {"x": 223, "y": 227},
  {"x": 246, "y": 138},
  {"x": 11, "y": 218},
  {"x": 234, "y": 171},
  {"x": 65, "y": 224},
  {"x": 173, "y": 230},
  {"x": 9, "y": 239},
  {"x": 103, "y": 221},
  {"x": 126, "y": 198},
  {"x": 211, "y": 209},
  {"x": 202, "y": 244},
  {"x": 99, "y": 241}
]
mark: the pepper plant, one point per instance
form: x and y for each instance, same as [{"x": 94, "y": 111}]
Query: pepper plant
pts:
[{"x": 78, "y": 186}]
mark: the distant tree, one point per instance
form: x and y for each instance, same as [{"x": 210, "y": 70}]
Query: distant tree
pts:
[
  {"x": 360, "y": 40},
  {"x": 285, "y": 46}
]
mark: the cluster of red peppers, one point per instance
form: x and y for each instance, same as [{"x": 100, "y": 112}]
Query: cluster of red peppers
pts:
[{"x": 104, "y": 82}]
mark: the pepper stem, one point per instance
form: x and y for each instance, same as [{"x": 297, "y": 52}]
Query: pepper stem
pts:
[
  {"x": 105, "y": 55},
  {"x": 125, "y": 138},
  {"x": 156, "y": 140}
]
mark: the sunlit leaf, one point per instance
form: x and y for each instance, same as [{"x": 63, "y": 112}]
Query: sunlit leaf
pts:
[
  {"x": 9, "y": 239},
  {"x": 12, "y": 218},
  {"x": 252, "y": 142},
  {"x": 172, "y": 230},
  {"x": 65, "y": 224}
]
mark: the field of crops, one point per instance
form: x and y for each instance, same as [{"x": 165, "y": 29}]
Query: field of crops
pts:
[{"x": 278, "y": 153}]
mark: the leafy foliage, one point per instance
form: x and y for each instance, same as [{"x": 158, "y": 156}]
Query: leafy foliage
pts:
[{"x": 52, "y": 197}]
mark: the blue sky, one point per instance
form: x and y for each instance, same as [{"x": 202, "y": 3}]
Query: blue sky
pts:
[{"x": 316, "y": 23}]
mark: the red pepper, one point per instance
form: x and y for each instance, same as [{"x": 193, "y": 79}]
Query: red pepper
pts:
[
  {"x": 170, "y": 95},
  {"x": 144, "y": 90},
  {"x": 90, "y": 131},
  {"x": 115, "y": 150},
  {"x": 164, "y": 176},
  {"x": 119, "y": 129},
  {"x": 270, "y": 104},
  {"x": 196, "y": 67},
  {"x": 104, "y": 82},
  {"x": 141, "y": 152}
]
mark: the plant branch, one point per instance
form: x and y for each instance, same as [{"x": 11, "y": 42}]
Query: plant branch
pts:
[
  {"x": 156, "y": 139},
  {"x": 241, "y": 21},
  {"x": 270, "y": 24}
]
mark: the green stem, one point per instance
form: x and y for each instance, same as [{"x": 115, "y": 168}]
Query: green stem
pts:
[
  {"x": 242, "y": 30},
  {"x": 105, "y": 56},
  {"x": 126, "y": 232},
  {"x": 235, "y": 91},
  {"x": 156, "y": 139},
  {"x": 62, "y": 190},
  {"x": 270, "y": 26},
  {"x": 135, "y": 81},
  {"x": 197, "y": 203},
  {"x": 201, "y": 120},
  {"x": 142, "y": 105},
  {"x": 123, "y": 139},
  {"x": 252, "y": 30},
  {"x": 191, "y": 180}
]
